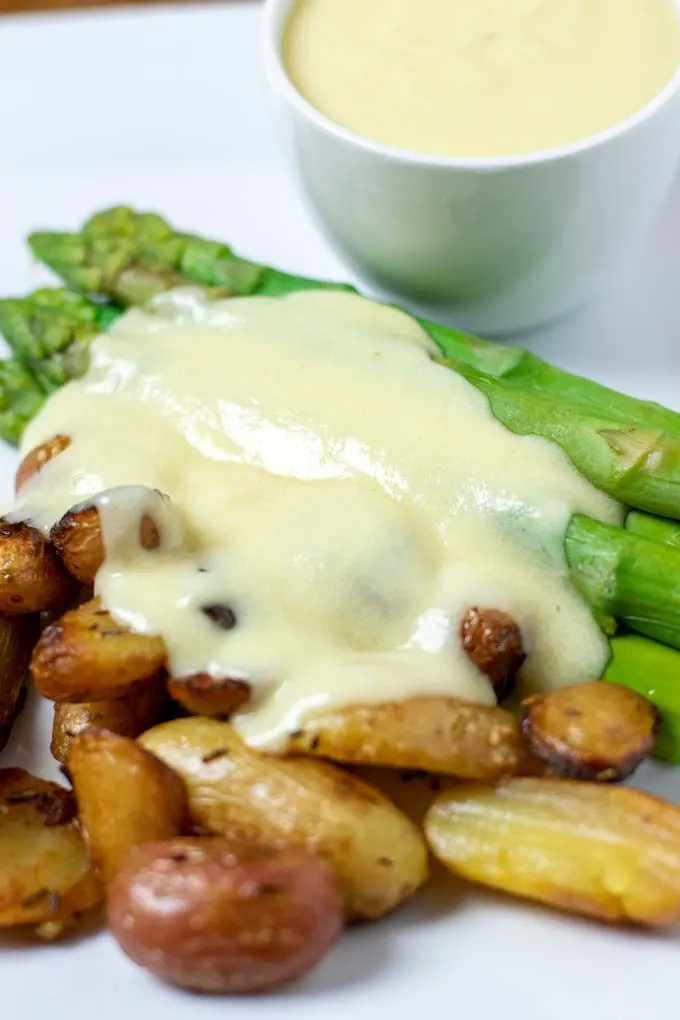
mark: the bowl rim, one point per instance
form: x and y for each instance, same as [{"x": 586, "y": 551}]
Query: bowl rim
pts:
[{"x": 274, "y": 13}]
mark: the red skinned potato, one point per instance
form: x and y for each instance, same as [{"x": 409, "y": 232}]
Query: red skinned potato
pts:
[{"x": 213, "y": 916}]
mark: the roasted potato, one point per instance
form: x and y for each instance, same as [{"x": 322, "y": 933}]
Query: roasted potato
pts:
[
  {"x": 125, "y": 795},
  {"x": 604, "y": 851},
  {"x": 77, "y": 537},
  {"x": 34, "y": 461},
  {"x": 592, "y": 730},
  {"x": 377, "y": 853},
  {"x": 87, "y": 656},
  {"x": 434, "y": 734},
  {"x": 128, "y": 716},
  {"x": 493, "y": 641},
  {"x": 45, "y": 875},
  {"x": 18, "y": 635},
  {"x": 32, "y": 577},
  {"x": 203, "y": 694},
  {"x": 214, "y": 917}
]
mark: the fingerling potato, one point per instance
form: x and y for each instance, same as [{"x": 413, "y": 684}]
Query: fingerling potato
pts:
[
  {"x": 77, "y": 537},
  {"x": 377, "y": 853},
  {"x": 128, "y": 716},
  {"x": 35, "y": 461},
  {"x": 591, "y": 730},
  {"x": 18, "y": 635},
  {"x": 46, "y": 879},
  {"x": 203, "y": 694},
  {"x": 87, "y": 656},
  {"x": 32, "y": 577},
  {"x": 444, "y": 735},
  {"x": 126, "y": 797},
  {"x": 210, "y": 916},
  {"x": 608, "y": 852},
  {"x": 492, "y": 640}
]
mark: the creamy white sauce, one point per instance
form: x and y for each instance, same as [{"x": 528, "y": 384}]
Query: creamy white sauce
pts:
[
  {"x": 348, "y": 498},
  {"x": 480, "y": 77}
]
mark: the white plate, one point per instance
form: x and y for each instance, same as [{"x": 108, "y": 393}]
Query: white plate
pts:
[{"x": 167, "y": 109}]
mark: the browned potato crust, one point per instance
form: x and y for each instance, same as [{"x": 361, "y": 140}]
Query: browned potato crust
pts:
[
  {"x": 207, "y": 915},
  {"x": 37, "y": 458},
  {"x": 203, "y": 694},
  {"x": 493, "y": 641},
  {"x": 77, "y": 537},
  {"x": 125, "y": 795},
  {"x": 435, "y": 734},
  {"x": 45, "y": 874},
  {"x": 592, "y": 730},
  {"x": 604, "y": 851},
  {"x": 18, "y": 635},
  {"x": 377, "y": 853},
  {"x": 87, "y": 656},
  {"x": 32, "y": 577},
  {"x": 128, "y": 716}
]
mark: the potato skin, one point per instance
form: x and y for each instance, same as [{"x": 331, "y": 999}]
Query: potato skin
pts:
[
  {"x": 210, "y": 916},
  {"x": 77, "y": 537},
  {"x": 203, "y": 694},
  {"x": 591, "y": 730},
  {"x": 32, "y": 577},
  {"x": 493, "y": 642},
  {"x": 45, "y": 873},
  {"x": 126, "y": 797},
  {"x": 443, "y": 735},
  {"x": 18, "y": 635},
  {"x": 128, "y": 716},
  {"x": 35, "y": 461},
  {"x": 87, "y": 656},
  {"x": 604, "y": 851},
  {"x": 377, "y": 853}
]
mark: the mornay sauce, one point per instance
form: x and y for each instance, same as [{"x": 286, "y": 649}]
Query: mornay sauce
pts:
[
  {"x": 479, "y": 78},
  {"x": 347, "y": 498}
]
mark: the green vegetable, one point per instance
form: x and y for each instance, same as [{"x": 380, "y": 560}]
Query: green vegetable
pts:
[
  {"x": 21, "y": 397},
  {"x": 627, "y": 448},
  {"x": 654, "y": 671},
  {"x": 656, "y": 529},
  {"x": 129, "y": 257},
  {"x": 625, "y": 577},
  {"x": 638, "y": 467},
  {"x": 50, "y": 331}
]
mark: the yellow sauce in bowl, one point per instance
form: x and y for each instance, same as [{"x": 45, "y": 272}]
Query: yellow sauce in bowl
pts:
[{"x": 480, "y": 78}]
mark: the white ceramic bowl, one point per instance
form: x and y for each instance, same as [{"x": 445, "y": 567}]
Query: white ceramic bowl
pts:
[{"x": 493, "y": 245}]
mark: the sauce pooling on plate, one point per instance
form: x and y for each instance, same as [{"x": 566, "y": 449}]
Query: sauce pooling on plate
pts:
[
  {"x": 479, "y": 78},
  {"x": 342, "y": 499}
]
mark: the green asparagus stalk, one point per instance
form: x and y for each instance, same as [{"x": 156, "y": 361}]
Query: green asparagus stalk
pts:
[
  {"x": 656, "y": 529},
  {"x": 130, "y": 257},
  {"x": 625, "y": 577},
  {"x": 21, "y": 397},
  {"x": 653, "y": 671},
  {"x": 50, "y": 331},
  {"x": 638, "y": 467}
]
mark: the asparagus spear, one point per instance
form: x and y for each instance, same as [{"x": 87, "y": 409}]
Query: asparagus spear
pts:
[
  {"x": 657, "y": 529},
  {"x": 638, "y": 467},
  {"x": 654, "y": 671},
  {"x": 130, "y": 257},
  {"x": 49, "y": 333},
  {"x": 21, "y": 397},
  {"x": 626, "y": 577}
]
